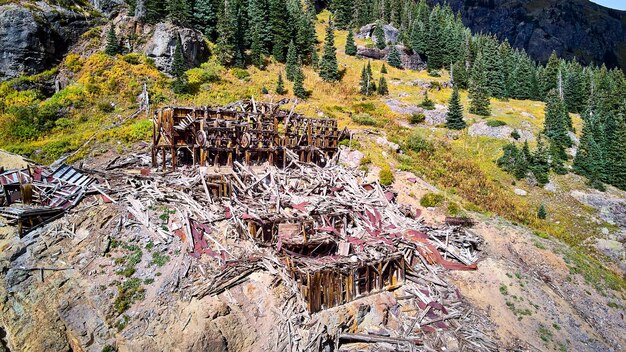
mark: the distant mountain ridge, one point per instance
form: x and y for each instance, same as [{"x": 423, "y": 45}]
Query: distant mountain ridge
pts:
[{"x": 574, "y": 28}]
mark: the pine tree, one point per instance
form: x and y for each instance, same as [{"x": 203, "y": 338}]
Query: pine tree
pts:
[
  {"x": 342, "y": 11},
  {"x": 382, "y": 86},
  {"x": 541, "y": 212},
  {"x": 298, "y": 84},
  {"x": 350, "y": 45},
  {"x": 540, "y": 163},
  {"x": 394, "y": 58},
  {"x": 305, "y": 33},
  {"x": 291, "y": 68},
  {"x": 179, "y": 12},
  {"x": 280, "y": 28},
  {"x": 615, "y": 152},
  {"x": 280, "y": 85},
  {"x": 379, "y": 33},
  {"x": 556, "y": 125},
  {"x": 155, "y": 10},
  {"x": 179, "y": 66},
  {"x": 367, "y": 85},
  {"x": 479, "y": 94},
  {"x": 427, "y": 103},
  {"x": 383, "y": 69},
  {"x": 258, "y": 31},
  {"x": 495, "y": 83},
  {"x": 588, "y": 161},
  {"x": 549, "y": 77},
  {"x": 227, "y": 45},
  {"x": 112, "y": 47},
  {"x": 454, "y": 118},
  {"x": 205, "y": 18},
  {"x": 328, "y": 64},
  {"x": 459, "y": 75}
]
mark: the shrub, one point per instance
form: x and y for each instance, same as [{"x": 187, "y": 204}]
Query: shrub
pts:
[
  {"x": 417, "y": 143},
  {"x": 515, "y": 135},
  {"x": 430, "y": 200},
  {"x": 495, "y": 123},
  {"x": 454, "y": 209},
  {"x": 385, "y": 176},
  {"x": 105, "y": 107},
  {"x": 241, "y": 73},
  {"x": 417, "y": 118},
  {"x": 364, "y": 119},
  {"x": 541, "y": 212},
  {"x": 127, "y": 294},
  {"x": 433, "y": 73},
  {"x": 132, "y": 58}
]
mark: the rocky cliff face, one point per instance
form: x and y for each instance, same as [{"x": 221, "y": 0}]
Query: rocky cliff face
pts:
[
  {"x": 34, "y": 38},
  {"x": 576, "y": 28}
]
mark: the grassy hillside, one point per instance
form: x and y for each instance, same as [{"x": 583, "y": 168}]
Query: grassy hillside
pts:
[{"x": 462, "y": 166}]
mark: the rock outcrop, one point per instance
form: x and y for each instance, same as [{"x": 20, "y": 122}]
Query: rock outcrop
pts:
[
  {"x": 410, "y": 60},
  {"x": 161, "y": 44},
  {"x": 391, "y": 33},
  {"x": 36, "y": 38}
]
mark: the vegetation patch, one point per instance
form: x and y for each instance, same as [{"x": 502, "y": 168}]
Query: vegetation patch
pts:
[
  {"x": 128, "y": 293},
  {"x": 364, "y": 119},
  {"x": 431, "y": 200}
]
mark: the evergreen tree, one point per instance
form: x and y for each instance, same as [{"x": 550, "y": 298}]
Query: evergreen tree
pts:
[
  {"x": 427, "y": 103},
  {"x": 454, "y": 118},
  {"x": 291, "y": 67},
  {"x": 112, "y": 47},
  {"x": 540, "y": 163},
  {"x": 573, "y": 90},
  {"x": 179, "y": 12},
  {"x": 541, "y": 212},
  {"x": 379, "y": 33},
  {"x": 258, "y": 31},
  {"x": 280, "y": 28},
  {"x": 367, "y": 85},
  {"x": 394, "y": 58},
  {"x": 588, "y": 160},
  {"x": 227, "y": 43},
  {"x": 315, "y": 60},
  {"x": 459, "y": 75},
  {"x": 549, "y": 77},
  {"x": 280, "y": 85},
  {"x": 350, "y": 45},
  {"x": 479, "y": 94},
  {"x": 418, "y": 36},
  {"x": 342, "y": 11},
  {"x": 615, "y": 152},
  {"x": 179, "y": 66},
  {"x": 305, "y": 33},
  {"x": 205, "y": 18},
  {"x": 298, "y": 84},
  {"x": 495, "y": 83},
  {"x": 328, "y": 64},
  {"x": 155, "y": 10},
  {"x": 556, "y": 125},
  {"x": 383, "y": 69},
  {"x": 382, "y": 86}
]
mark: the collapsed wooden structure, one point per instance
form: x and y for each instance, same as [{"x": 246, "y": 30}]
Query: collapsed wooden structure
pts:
[
  {"x": 34, "y": 196},
  {"x": 249, "y": 132}
]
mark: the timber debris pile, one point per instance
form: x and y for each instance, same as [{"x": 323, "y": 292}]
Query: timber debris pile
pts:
[{"x": 253, "y": 188}]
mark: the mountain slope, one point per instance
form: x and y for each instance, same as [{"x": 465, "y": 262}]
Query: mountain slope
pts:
[{"x": 577, "y": 28}]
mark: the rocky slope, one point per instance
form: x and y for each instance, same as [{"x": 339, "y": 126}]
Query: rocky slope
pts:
[
  {"x": 577, "y": 28},
  {"x": 36, "y": 37}
]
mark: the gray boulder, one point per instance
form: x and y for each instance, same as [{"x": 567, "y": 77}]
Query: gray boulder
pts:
[
  {"x": 410, "y": 60},
  {"x": 37, "y": 37},
  {"x": 162, "y": 43},
  {"x": 391, "y": 33}
]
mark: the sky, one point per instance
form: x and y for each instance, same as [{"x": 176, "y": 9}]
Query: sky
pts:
[{"x": 614, "y": 4}]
